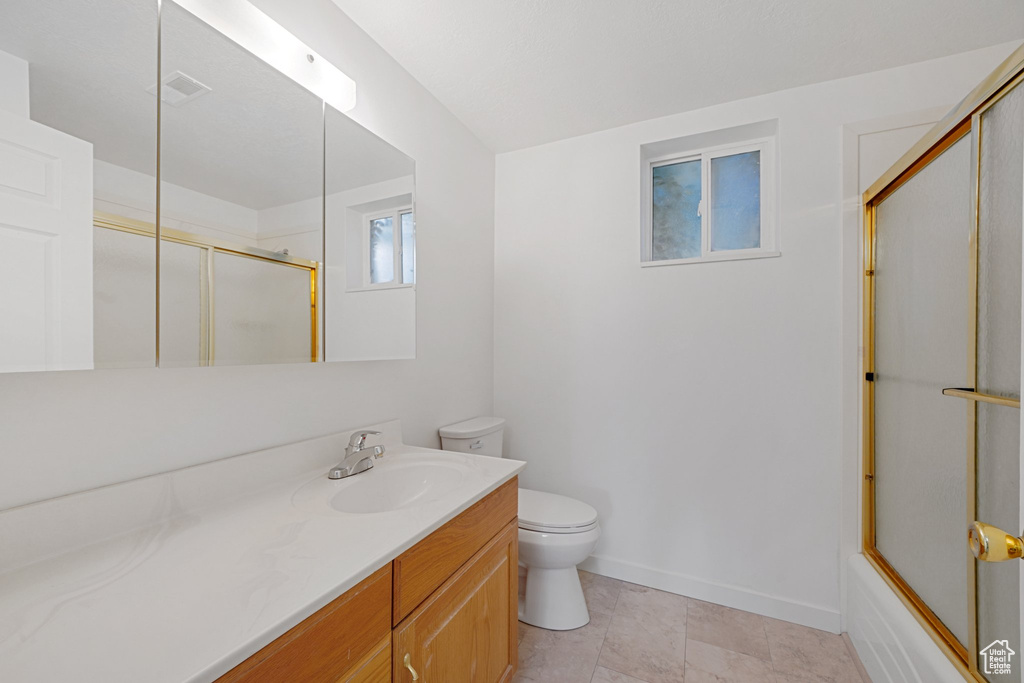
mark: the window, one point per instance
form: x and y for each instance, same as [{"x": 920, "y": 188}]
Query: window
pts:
[
  {"x": 711, "y": 204},
  {"x": 391, "y": 252}
]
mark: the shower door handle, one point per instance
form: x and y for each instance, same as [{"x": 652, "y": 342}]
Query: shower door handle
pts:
[
  {"x": 992, "y": 544},
  {"x": 972, "y": 395}
]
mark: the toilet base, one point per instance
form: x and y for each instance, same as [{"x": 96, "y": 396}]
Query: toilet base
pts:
[{"x": 553, "y": 599}]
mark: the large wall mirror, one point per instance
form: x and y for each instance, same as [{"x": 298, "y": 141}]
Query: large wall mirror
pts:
[
  {"x": 75, "y": 122},
  {"x": 371, "y": 245},
  {"x": 241, "y": 187},
  {"x": 286, "y": 230}
]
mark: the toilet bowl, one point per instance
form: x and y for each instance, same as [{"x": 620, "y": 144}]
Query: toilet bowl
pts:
[{"x": 555, "y": 534}]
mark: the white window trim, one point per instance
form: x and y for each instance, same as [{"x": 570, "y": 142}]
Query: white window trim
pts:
[
  {"x": 396, "y": 223},
  {"x": 769, "y": 233}
]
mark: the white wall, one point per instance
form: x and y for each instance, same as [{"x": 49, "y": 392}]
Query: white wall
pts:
[
  {"x": 14, "y": 94},
  {"x": 697, "y": 407},
  {"x": 69, "y": 431},
  {"x": 297, "y": 227},
  {"x": 131, "y": 194}
]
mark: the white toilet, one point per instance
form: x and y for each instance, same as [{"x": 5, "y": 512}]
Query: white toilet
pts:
[{"x": 555, "y": 534}]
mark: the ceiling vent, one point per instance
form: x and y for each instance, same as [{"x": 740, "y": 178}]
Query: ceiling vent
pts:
[{"x": 179, "y": 89}]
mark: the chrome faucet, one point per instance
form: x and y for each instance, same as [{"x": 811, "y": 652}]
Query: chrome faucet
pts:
[{"x": 358, "y": 456}]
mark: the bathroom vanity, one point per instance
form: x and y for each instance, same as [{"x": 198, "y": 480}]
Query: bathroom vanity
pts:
[
  {"x": 260, "y": 568},
  {"x": 443, "y": 608}
]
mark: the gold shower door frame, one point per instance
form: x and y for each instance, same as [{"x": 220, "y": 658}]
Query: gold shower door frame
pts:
[
  {"x": 963, "y": 120},
  {"x": 209, "y": 246}
]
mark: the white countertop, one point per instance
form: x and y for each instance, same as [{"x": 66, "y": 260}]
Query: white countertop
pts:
[{"x": 181, "y": 576}]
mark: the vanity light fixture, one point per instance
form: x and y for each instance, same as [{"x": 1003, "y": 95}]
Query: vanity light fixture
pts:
[{"x": 250, "y": 28}]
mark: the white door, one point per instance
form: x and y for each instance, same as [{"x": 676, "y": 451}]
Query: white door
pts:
[{"x": 45, "y": 248}]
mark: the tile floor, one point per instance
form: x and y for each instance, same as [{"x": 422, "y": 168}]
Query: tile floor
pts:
[{"x": 642, "y": 635}]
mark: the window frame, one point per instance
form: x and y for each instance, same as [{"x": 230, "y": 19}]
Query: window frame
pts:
[
  {"x": 395, "y": 214},
  {"x": 769, "y": 237}
]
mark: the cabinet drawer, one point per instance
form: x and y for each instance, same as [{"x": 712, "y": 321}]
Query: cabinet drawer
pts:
[
  {"x": 421, "y": 569},
  {"x": 329, "y": 645},
  {"x": 467, "y": 630}
]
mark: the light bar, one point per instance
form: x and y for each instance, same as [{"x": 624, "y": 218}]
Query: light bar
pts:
[{"x": 253, "y": 30}]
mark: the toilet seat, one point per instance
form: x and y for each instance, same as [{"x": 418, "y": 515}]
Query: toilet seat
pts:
[{"x": 553, "y": 514}]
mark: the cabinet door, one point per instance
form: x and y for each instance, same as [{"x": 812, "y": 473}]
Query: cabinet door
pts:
[
  {"x": 421, "y": 569},
  {"x": 375, "y": 667},
  {"x": 466, "y": 631}
]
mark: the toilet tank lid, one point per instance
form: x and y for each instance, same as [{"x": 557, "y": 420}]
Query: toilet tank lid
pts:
[{"x": 470, "y": 429}]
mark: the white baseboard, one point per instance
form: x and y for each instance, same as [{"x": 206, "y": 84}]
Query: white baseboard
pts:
[{"x": 721, "y": 594}]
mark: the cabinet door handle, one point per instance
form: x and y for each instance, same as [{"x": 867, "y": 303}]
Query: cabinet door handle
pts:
[{"x": 408, "y": 665}]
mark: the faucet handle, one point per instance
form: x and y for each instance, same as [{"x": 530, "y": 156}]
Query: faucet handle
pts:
[{"x": 358, "y": 438}]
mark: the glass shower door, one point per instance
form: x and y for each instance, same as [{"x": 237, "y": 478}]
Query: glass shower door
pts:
[
  {"x": 1000, "y": 182},
  {"x": 942, "y": 361},
  {"x": 921, "y": 313},
  {"x": 184, "y": 308},
  {"x": 263, "y": 312},
  {"x": 124, "y": 291}
]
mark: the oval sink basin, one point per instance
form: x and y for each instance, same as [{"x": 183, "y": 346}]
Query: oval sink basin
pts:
[{"x": 397, "y": 486}]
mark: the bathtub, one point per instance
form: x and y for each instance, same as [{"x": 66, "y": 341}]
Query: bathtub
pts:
[{"x": 893, "y": 647}]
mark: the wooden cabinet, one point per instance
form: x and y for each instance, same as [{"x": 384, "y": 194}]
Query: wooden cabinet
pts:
[
  {"x": 329, "y": 645},
  {"x": 466, "y": 630},
  {"x": 451, "y": 600},
  {"x": 422, "y": 568},
  {"x": 374, "y": 667}
]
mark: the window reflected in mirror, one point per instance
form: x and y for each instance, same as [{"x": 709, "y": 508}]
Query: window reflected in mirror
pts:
[
  {"x": 408, "y": 248},
  {"x": 370, "y": 233},
  {"x": 382, "y": 250}
]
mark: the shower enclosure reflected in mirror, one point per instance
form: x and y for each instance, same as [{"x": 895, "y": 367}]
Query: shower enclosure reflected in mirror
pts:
[
  {"x": 370, "y": 237},
  {"x": 258, "y": 176},
  {"x": 241, "y": 208},
  {"x": 77, "y": 139},
  {"x": 252, "y": 167}
]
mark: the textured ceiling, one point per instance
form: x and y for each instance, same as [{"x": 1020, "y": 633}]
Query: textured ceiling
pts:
[
  {"x": 524, "y": 72},
  {"x": 255, "y": 140}
]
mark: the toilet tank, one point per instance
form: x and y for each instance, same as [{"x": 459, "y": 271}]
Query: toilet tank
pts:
[{"x": 481, "y": 435}]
